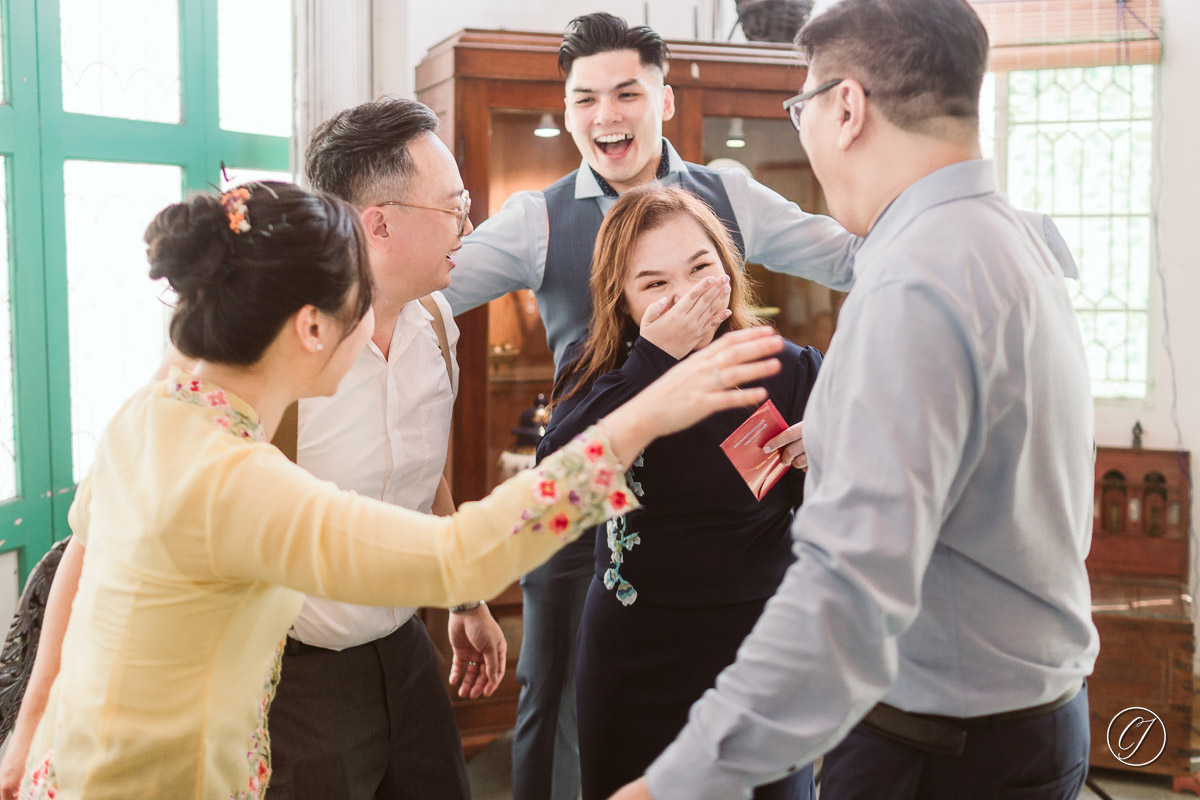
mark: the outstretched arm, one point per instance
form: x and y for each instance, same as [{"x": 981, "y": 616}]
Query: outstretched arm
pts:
[
  {"x": 505, "y": 253},
  {"x": 323, "y": 541},
  {"x": 784, "y": 238}
]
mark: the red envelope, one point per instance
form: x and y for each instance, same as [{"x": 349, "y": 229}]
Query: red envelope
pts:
[{"x": 744, "y": 447}]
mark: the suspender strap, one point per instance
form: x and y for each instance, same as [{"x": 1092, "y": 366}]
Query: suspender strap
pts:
[
  {"x": 285, "y": 434},
  {"x": 439, "y": 327}
]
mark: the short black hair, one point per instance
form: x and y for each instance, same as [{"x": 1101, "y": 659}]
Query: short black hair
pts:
[
  {"x": 920, "y": 59},
  {"x": 601, "y": 32},
  {"x": 362, "y": 151},
  {"x": 236, "y": 287}
]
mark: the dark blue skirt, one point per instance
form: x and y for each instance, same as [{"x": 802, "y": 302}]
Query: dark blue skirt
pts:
[{"x": 639, "y": 668}]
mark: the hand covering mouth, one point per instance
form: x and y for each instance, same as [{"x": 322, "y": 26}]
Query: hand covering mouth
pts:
[{"x": 614, "y": 144}]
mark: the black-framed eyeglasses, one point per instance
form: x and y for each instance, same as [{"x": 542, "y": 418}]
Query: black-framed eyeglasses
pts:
[
  {"x": 796, "y": 104},
  {"x": 463, "y": 212}
]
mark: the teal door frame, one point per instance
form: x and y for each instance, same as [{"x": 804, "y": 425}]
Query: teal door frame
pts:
[{"x": 36, "y": 138}]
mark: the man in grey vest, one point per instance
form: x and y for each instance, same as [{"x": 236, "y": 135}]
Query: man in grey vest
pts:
[{"x": 616, "y": 102}]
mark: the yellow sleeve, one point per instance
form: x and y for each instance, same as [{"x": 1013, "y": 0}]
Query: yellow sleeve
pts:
[
  {"x": 272, "y": 521},
  {"x": 79, "y": 516}
]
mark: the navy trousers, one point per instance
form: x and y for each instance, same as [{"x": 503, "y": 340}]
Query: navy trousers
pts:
[
  {"x": 546, "y": 740},
  {"x": 1041, "y": 758}
]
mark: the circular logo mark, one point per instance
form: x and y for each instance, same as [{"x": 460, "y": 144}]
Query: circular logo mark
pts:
[{"x": 1136, "y": 736}]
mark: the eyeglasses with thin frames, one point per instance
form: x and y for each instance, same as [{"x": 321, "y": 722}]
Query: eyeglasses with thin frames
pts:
[
  {"x": 463, "y": 213},
  {"x": 796, "y": 104}
]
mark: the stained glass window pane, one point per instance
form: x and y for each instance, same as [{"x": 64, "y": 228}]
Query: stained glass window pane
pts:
[
  {"x": 987, "y": 115},
  {"x": 8, "y": 439},
  {"x": 120, "y": 58},
  {"x": 254, "y": 84},
  {"x": 118, "y": 316},
  {"x": 1080, "y": 149}
]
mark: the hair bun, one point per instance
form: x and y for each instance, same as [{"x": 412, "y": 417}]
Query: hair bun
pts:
[{"x": 188, "y": 243}]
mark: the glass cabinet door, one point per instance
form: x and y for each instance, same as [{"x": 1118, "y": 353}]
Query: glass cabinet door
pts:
[
  {"x": 769, "y": 151},
  {"x": 520, "y": 365}
]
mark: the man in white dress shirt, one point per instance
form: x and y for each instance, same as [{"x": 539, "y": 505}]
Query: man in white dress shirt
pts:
[{"x": 361, "y": 711}]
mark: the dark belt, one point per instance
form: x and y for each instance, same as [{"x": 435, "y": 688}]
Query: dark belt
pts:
[
  {"x": 934, "y": 733},
  {"x": 295, "y": 647}
]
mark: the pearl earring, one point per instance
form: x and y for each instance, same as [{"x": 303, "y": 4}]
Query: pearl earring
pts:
[{"x": 320, "y": 346}]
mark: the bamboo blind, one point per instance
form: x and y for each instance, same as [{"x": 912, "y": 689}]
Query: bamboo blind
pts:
[{"x": 1046, "y": 34}]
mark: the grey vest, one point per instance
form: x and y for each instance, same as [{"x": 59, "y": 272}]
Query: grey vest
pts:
[{"x": 564, "y": 300}]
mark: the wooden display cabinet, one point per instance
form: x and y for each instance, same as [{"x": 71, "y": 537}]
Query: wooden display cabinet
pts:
[
  {"x": 1138, "y": 567},
  {"x": 490, "y": 88}
]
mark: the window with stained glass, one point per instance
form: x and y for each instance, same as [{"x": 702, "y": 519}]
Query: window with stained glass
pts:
[{"x": 1077, "y": 144}]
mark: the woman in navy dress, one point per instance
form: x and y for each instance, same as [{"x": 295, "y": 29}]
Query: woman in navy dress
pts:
[{"x": 680, "y": 582}]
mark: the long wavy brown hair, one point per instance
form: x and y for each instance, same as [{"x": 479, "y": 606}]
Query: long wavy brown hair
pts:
[{"x": 636, "y": 212}]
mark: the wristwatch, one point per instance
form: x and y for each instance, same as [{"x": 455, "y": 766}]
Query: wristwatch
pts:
[{"x": 465, "y": 607}]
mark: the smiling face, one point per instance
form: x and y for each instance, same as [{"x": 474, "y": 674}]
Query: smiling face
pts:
[
  {"x": 421, "y": 242},
  {"x": 615, "y": 107},
  {"x": 667, "y": 261}
]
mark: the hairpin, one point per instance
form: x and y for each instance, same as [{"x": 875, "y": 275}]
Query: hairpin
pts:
[{"x": 234, "y": 203}]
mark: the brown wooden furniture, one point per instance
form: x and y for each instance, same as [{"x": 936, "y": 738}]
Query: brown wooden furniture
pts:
[
  {"x": 1139, "y": 572},
  {"x": 490, "y": 88}
]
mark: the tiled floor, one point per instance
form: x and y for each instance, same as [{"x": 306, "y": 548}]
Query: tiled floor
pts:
[{"x": 491, "y": 779}]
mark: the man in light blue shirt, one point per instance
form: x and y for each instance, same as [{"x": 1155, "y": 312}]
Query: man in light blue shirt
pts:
[{"x": 937, "y": 621}]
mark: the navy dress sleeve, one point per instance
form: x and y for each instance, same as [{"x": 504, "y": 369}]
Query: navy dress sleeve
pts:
[
  {"x": 645, "y": 363},
  {"x": 804, "y": 377}
]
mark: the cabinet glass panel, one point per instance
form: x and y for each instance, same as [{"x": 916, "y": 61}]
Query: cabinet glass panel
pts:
[
  {"x": 120, "y": 58},
  {"x": 254, "y": 46},
  {"x": 8, "y": 441},
  {"x": 520, "y": 365},
  {"x": 117, "y": 315},
  {"x": 801, "y": 310}
]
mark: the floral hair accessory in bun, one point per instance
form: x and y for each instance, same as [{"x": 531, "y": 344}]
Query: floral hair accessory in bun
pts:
[{"x": 234, "y": 203}]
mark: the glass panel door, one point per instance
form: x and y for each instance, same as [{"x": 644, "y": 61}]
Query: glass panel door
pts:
[
  {"x": 118, "y": 316},
  {"x": 801, "y": 310}
]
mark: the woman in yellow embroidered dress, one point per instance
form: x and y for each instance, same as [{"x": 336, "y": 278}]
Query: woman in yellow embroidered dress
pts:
[{"x": 201, "y": 538}]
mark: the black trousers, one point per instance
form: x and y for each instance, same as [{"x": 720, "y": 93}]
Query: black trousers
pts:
[
  {"x": 1040, "y": 758},
  {"x": 371, "y": 722}
]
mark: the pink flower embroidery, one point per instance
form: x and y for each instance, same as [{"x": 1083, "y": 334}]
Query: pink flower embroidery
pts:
[
  {"x": 619, "y": 501},
  {"x": 194, "y": 385},
  {"x": 559, "y": 522},
  {"x": 594, "y": 451},
  {"x": 217, "y": 399},
  {"x": 222, "y": 421},
  {"x": 602, "y": 477},
  {"x": 545, "y": 490}
]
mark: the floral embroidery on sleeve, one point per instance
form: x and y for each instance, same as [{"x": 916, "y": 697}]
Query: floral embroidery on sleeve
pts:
[
  {"x": 579, "y": 486},
  {"x": 40, "y": 784}
]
